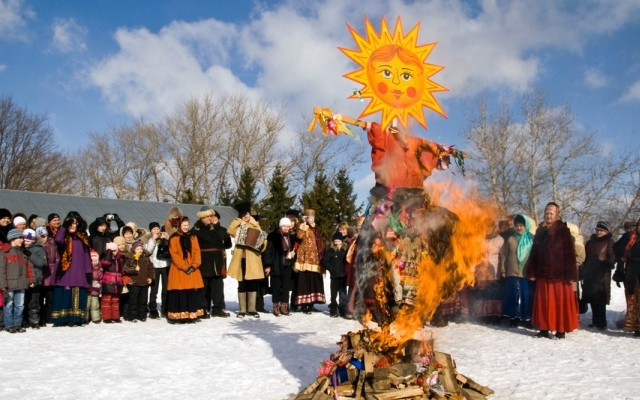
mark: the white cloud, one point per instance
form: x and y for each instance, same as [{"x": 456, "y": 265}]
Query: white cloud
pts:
[
  {"x": 633, "y": 94},
  {"x": 293, "y": 49},
  {"x": 68, "y": 36},
  {"x": 3, "y": 67},
  {"x": 13, "y": 19},
  {"x": 595, "y": 79},
  {"x": 155, "y": 72}
]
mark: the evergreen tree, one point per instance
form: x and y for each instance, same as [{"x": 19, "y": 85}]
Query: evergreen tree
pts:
[
  {"x": 225, "y": 197},
  {"x": 246, "y": 191},
  {"x": 346, "y": 207},
  {"x": 188, "y": 197},
  {"x": 322, "y": 198},
  {"x": 277, "y": 202}
]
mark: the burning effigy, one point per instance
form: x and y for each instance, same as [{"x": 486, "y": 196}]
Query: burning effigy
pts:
[{"x": 419, "y": 243}]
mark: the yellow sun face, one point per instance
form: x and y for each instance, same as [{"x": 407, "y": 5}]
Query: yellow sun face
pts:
[{"x": 394, "y": 74}]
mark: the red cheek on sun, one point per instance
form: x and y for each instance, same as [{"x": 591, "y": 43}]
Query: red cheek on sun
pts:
[
  {"x": 382, "y": 88},
  {"x": 411, "y": 92}
]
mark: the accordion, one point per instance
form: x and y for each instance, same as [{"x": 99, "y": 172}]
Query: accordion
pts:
[{"x": 251, "y": 238}]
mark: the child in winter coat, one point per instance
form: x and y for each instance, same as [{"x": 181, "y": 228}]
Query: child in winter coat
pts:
[
  {"x": 334, "y": 262},
  {"x": 38, "y": 257},
  {"x": 93, "y": 299},
  {"x": 139, "y": 268},
  {"x": 16, "y": 275},
  {"x": 112, "y": 280},
  {"x": 53, "y": 259}
]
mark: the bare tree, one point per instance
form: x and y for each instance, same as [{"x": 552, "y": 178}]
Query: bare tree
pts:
[
  {"x": 312, "y": 152},
  {"x": 29, "y": 156},
  {"x": 546, "y": 158},
  {"x": 252, "y": 129},
  {"x": 494, "y": 141}
]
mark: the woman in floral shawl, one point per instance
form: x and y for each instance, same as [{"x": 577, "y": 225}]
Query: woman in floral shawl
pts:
[
  {"x": 518, "y": 290},
  {"x": 71, "y": 278}
]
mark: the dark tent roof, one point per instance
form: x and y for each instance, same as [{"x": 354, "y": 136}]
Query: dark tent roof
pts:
[{"x": 140, "y": 212}]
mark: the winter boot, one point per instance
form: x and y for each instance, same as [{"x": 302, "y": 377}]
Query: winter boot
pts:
[
  {"x": 251, "y": 304},
  {"x": 242, "y": 301},
  {"x": 276, "y": 309},
  {"x": 284, "y": 309}
]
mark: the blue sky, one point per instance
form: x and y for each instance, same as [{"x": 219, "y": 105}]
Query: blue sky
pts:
[{"x": 92, "y": 65}]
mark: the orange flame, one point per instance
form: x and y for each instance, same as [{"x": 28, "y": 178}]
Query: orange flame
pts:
[{"x": 441, "y": 279}]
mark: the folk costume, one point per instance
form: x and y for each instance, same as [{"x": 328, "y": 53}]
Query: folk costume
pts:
[
  {"x": 70, "y": 279},
  {"x": 185, "y": 300},
  {"x": 310, "y": 286},
  {"x": 246, "y": 263},
  {"x": 214, "y": 241},
  {"x": 552, "y": 263},
  {"x": 279, "y": 257}
]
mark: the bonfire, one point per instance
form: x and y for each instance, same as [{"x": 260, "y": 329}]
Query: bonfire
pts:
[{"x": 419, "y": 243}]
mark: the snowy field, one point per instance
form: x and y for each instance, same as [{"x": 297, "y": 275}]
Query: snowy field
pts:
[{"x": 275, "y": 358}]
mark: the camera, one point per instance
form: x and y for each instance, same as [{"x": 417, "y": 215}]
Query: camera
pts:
[{"x": 109, "y": 217}]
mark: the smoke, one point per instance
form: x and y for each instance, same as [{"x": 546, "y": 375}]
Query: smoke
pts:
[{"x": 416, "y": 249}]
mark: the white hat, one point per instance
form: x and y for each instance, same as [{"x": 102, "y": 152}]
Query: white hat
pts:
[
  {"x": 19, "y": 220},
  {"x": 284, "y": 221}
]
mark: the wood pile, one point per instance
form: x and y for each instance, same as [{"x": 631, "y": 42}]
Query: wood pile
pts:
[{"x": 416, "y": 372}]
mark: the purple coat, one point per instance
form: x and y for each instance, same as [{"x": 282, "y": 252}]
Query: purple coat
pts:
[{"x": 76, "y": 275}]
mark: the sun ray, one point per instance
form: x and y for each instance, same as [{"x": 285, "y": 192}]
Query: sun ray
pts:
[{"x": 394, "y": 74}]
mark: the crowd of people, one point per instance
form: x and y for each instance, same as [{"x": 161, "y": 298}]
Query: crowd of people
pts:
[
  {"x": 544, "y": 280},
  {"x": 64, "y": 272}
]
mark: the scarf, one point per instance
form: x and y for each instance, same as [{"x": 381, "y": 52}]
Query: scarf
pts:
[
  {"x": 65, "y": 260},
  {"x": 627, "y": 249},
  {"x": 185, "y": 243},
  {"x": 525, "y": 242}
]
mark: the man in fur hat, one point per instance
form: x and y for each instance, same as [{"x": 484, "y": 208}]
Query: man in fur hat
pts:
[{"x": 213, "y": 240}]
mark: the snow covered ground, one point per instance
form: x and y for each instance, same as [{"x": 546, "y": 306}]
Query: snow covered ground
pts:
[{"x": 275, "y": 358}]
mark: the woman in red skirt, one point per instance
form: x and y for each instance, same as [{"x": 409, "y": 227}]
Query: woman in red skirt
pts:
[{"x": 552, "y": 265}]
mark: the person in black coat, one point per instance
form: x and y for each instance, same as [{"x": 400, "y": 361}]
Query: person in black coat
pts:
[
  {"x": 213, "y": 240},
  {"x": 100, "y": 232},
  {"x": 334, "y": 261},
  {"x": 596, "y": 274},
  {"x": 278, "y": 260}
]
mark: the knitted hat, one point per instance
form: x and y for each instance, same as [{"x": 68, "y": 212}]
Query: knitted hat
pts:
[
  {"x": 29, "y": 234},
  {"x": 40, "y": 222},
  {"x": 94, "y": 255},
  {"x": 119, "y": 240},
  {"x": 19, "y": 220},
  {"x": 14, "y": 234},
  {"x": 284, "y": 221},
  {"x": 52, "y": 216},
  {"x": 604, "y": 225},
  {"x": 41, "y": 231},
  {"x": 4, "y": 213},
  {"x": 337, "y": 236},
  {"x": 135, "y": 245},
  {"x": 154, "y": 225}
]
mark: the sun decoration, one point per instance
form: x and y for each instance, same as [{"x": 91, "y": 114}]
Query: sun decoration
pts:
[{"x": 394, "y": 73}]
